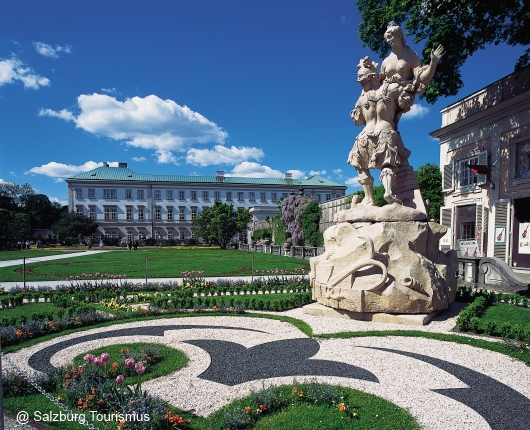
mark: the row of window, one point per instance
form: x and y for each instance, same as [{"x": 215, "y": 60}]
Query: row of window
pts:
[
  {"x": 112, "y": 194},
  {"x": 111, "y": 213},
  {"x": 141, "y": 235}
]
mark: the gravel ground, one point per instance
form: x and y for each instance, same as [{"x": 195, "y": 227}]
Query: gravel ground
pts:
[{"x": 444, "y": 385}]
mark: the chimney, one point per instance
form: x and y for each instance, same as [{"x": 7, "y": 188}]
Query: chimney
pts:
[
  {"x": 288, "y": 176},
  {"x": 105, "y": 164},
  {"x": 122, "y": 165},
  {"x": 220, "y": 175}
]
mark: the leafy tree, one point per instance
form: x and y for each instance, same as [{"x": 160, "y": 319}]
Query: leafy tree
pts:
[
  {"x": 71, "y": 224},
  {"x": 279, "y": 228},
  {"x": 42, "y": 212},
  {"x": 462, "y": 27},
  {"x": 292, "y": 209},
  {"x": 430, "y": 179},
  {"x": 220, "y": 223},
  {"x": 379, "y": 192},
  {"x": 14, "y": 196},
  {"x": 310, "y": 224}
]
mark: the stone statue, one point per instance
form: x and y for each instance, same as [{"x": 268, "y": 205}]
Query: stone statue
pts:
[
  {"x": 384, "y": 98},
  {"x": 386, "y": 260}
]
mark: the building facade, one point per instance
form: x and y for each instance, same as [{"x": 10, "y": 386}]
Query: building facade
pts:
[
  {"x": 485, "y": 162},
  {"x": 136, "y": 206}
]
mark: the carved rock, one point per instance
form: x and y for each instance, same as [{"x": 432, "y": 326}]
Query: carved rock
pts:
[{"x": 389, "y": 266}]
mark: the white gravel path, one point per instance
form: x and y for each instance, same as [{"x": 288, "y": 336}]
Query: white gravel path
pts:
[{"x": 405, "y": 381}]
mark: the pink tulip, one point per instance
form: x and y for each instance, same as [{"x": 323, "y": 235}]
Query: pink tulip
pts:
[
  {"x": 119, "y": 379},
  {"x": 139, "y": 367},
  {"x": 98, "y": 361},
  {"x": 89, "y": 358},
  {"x": 129, "y": 362},
  {"x": 105, "y": 357}
]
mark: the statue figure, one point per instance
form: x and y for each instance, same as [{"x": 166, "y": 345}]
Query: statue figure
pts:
[
  {"x": 385, "y": 259},
  {"x": 384, "y": 98}
]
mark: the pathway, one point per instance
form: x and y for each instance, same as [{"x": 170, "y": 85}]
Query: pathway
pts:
[{"x": 444, "y": 385}]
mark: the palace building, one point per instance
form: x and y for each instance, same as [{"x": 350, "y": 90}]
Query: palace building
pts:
[{"x": 137, "y": 206}]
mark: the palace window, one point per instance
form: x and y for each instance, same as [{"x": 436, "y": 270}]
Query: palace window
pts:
[
  {"x": 170, "y": 214},
  {"x": 182, "y": 214},
  {"x": 252, "y": 196},
  {"x": 129, "y": 215},
  {"x": 158, "y": 214},
  {"x": 158, "y": 195},
  {"x": 140, "y": 213},
  {"x": 193, "y": 195},
  {"x": 140, "y": 194},
  {"x": 263, "y": 197},
  {"x": 169, "y": 194},
  {"x": 128, "y": 194},
  {"x": 91, "y": 193},
  {"x": 182, "y": 195},
  {"x": 229, "y": 196},
  {"x": 206, "y": 195},
  {"x": 217, "y": 196},
  {"x": 240, "y": 196},
  {"x": 110, "y": 194}
]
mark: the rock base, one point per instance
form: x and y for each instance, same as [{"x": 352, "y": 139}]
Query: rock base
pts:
[{"x": 417, "y": 319}]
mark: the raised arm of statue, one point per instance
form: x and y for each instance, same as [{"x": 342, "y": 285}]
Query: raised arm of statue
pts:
[{"x": 423, "y": 75}]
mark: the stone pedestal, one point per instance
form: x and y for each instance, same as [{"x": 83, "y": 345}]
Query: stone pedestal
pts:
[
  {"x": 410, "y": 319},
  {"x": 384, "y": 260}
]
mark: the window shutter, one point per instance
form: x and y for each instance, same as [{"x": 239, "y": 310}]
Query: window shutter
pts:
[
  {"x": 501, "y": 220},
  {"x": 448, "y": 177},
  {"x": 482, "y": 161},
  {"x": 446, "y": 215},
  {"x": 479, "y": 228}
]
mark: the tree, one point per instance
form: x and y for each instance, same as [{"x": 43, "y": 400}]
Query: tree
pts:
[
  {"x": 14, "y": 196},
  {"x": 42, "y": 212},
  {"x": 430, "y": 179},
  {"x": 462, "y": 27},
  {"x": 220, "y": 223},
  {"x": 310, "y": 224},
  {"x": 71, "y": 224}
]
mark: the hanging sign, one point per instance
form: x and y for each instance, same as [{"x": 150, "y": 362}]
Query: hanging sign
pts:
[
  {"x": 500, "y": 235},
  {"x": 524, "y": 238}
]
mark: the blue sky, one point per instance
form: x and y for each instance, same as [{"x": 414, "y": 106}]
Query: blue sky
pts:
[{"x": 254, "y": 88}]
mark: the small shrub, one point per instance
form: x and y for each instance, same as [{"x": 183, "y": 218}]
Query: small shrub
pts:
[
  {"x": 505, "y": 330},
  {"x": 489, "y": 327}
]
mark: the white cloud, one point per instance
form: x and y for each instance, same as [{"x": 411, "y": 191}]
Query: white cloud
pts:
[
  {"x": 337, "y": 171},
  {"x": 249, "y": 169},
  {"x": 223, "y": 155},
  {"x": 165, "y": 157},
  {"x": 343, "y": 19},
  {"x": 317, "y": 172},
  {"x": 50, "y": 51},
  {"x": 63, "y": 114},
  {"x": 109, "y": 90},
  {"x": 60, "y": 170},
  {"x": 14, "y": 70},
  {"x": 149, "y": 122},
  {"x": 353, "y": 182},
  {"x": 416, "y": 111},
  {"x": 62, "y": 202},
  {"x": 139, "y": 159}
]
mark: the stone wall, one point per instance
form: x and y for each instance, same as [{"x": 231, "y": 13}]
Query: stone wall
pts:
[{"x": 329, "y": 209}]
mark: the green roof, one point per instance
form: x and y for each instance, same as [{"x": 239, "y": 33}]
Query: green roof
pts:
[{"x": 126, "y": 174}]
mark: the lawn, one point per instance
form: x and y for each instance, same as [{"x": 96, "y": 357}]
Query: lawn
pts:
[
  {"x": 507, "y": 314},
  {"x": 161, "y": 263}
]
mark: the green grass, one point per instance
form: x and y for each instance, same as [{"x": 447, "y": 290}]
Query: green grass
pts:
[
  {"x": 169, "y": 360},
  {"x": 162, "y": 263},
  {"x": 16, "y": 255},
  {"x": 27, "y": 310},
  {"x": 294, "y": 413},
  {"x": 505, "y": 313}
]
